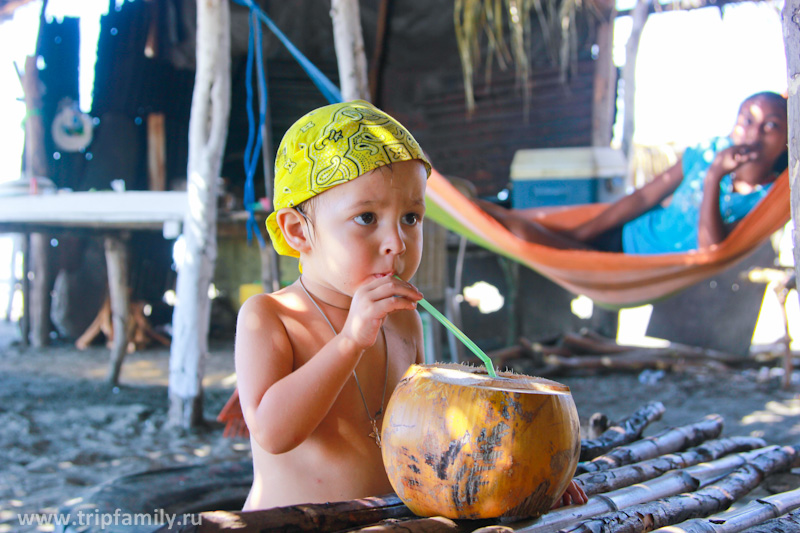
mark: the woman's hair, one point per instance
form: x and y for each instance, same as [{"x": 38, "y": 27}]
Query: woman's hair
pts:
[{"x": 771, "y": 97}]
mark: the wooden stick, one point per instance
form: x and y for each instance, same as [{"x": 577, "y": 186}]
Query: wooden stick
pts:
[
  {"x": 628, "y": 430},
  {"x": 669, "y": 484},
  {"x": 785, "y": 524},
  {"x": 607, "y": 345},
  {"x": 318, "y": 517},
  {"x": 583, "y": 344},
  {"x": 737, "y": 520},
  {"x": 638, "y": 359},
  {"x": 676, "y": 509},
  {"x": 608, "y": 480},
  {"x": 435, "y": 524},
  {"x": 668, "y": 441}
]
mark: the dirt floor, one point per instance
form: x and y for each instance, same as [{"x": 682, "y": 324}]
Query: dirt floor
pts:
[{"x": 64, "y": 429}]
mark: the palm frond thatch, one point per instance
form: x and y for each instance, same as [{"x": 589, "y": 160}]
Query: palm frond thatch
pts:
[{"x": 507, "y": 27}]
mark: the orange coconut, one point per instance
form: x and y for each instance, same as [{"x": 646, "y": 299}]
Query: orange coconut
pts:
[{"x": 461, "y": 444}]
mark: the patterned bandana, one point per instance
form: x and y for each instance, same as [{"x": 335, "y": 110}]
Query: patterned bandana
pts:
[{"x": 330, "y": 146}]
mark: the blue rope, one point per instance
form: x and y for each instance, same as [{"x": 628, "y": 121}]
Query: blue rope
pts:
[
  {"x": 254, "y": 135},
  {"x": 328, "y": 89}
]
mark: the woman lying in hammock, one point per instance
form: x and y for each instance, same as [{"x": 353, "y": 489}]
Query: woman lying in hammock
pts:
[{"x": 712, "y": 187}]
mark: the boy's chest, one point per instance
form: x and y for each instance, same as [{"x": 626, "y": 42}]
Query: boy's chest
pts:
[{"x": 377, "y": 373}]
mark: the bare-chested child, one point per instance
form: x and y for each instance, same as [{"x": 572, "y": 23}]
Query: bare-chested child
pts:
[{"x": 317, "y": 361}]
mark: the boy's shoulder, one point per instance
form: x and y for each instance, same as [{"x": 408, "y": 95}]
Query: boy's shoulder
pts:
[{"x": 269, "y": 306}]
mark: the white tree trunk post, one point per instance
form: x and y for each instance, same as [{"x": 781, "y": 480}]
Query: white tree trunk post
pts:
[
  {"x": 208, "y": 128},
  {"x": 348, "y": 41},
  {"x": 639, "y": 16},
  {"x": 791, "y": 40}
]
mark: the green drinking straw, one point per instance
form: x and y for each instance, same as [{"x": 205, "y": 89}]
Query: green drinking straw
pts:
[{"x": 459, "y": 335}]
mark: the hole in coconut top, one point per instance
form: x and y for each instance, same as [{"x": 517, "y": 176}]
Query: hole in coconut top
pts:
[{"x": 469, "y": 376}]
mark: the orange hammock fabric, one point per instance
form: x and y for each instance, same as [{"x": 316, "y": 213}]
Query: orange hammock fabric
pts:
[{"x": 610, "y": 279}]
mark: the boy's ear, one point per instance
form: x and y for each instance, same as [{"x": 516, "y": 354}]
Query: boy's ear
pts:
[{"x": 294, "y": 228}]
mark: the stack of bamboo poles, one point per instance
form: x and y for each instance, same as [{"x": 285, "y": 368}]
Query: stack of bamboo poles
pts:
[
  {"x": 683, "y": 479},
  {"x": 588, "y": 350}
]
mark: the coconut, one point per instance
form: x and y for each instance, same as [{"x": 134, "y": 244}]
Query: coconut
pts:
[{"x": 459, "y": 443}]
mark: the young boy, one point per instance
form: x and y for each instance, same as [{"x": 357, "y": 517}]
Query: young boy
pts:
[{"x": 317, "y": 361}]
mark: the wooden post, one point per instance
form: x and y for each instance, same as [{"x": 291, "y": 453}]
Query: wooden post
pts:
[
  {"x": 25, "y": 320},
  {"x": 791, "y": 40},
  {"x": 348, "y": 40},
  {"x": 639, "y": 16},
  {"x": 37, "y": 298},
  {"x": 40, "y": 290},
  {"x": 270, "y": 260},
  {"x": 604, "y": 95},
  {"x": 208, "y": 128},
  {"x": 117, "y": 267},
  {"x": 156, "y": 152}
]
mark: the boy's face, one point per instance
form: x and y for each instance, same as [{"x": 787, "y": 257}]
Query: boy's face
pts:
[
  {"x": 763, "y": 123},
  {"x": 368, "y": 227}
]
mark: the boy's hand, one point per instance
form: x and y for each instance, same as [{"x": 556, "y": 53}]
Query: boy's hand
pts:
[
  {"x": 574, "y": 495},
  {"x": 372, "y": 302}
]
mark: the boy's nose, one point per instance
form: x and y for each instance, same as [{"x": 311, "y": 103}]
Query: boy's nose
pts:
[{"x": 393, "y": 242}]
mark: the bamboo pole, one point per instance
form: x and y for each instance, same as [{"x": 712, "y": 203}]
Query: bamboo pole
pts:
[
  {"x": 737, "y": 520},
  {"x": 669, "y": 484},
  {"x": 785, "y": 524},
  {"x": 668, "y": 441},
  {"x": 608, "y": 480},
  {"x": 676, "y": 509},
  {"x": 626, "y": 431}
]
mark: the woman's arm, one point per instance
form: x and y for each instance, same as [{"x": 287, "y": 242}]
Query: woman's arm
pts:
[
  {"x": 631, "y": 206},
  {"x": 711, "y": 229}
]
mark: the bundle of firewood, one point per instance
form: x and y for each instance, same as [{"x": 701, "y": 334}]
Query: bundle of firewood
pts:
[
  {"x": 590, "y": 351},
  {"x": 685, "y": 479}
]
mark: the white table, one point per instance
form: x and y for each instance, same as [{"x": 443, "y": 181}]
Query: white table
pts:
[{"x": 112, "y": 215}]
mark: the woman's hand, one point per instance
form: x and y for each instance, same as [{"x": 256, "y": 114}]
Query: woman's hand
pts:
[
  {"x": 730, "y": 159},
  {"x": 372, "y": 302}
]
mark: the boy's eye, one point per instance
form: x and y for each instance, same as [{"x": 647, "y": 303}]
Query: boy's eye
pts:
[
  {"x": 411, "y": 219},
  {"x": 365, "y": 219}
]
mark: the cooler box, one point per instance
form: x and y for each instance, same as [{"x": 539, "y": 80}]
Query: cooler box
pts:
[{"x": 567, "y": 176}]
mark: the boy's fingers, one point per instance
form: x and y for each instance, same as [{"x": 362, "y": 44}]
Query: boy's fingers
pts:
[{"x": 395, "y": 288}]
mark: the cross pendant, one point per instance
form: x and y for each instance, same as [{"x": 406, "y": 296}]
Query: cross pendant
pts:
[{"x": 376, "y": 434}]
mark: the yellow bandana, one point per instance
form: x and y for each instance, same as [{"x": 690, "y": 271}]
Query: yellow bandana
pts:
[{"x": 330, "y": 146}]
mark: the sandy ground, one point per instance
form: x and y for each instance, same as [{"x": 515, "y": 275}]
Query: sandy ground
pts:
[{"x": 64, "y": 429}]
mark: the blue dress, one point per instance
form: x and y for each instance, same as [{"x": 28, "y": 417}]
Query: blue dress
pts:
[{"x": 673, "y": 229}]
